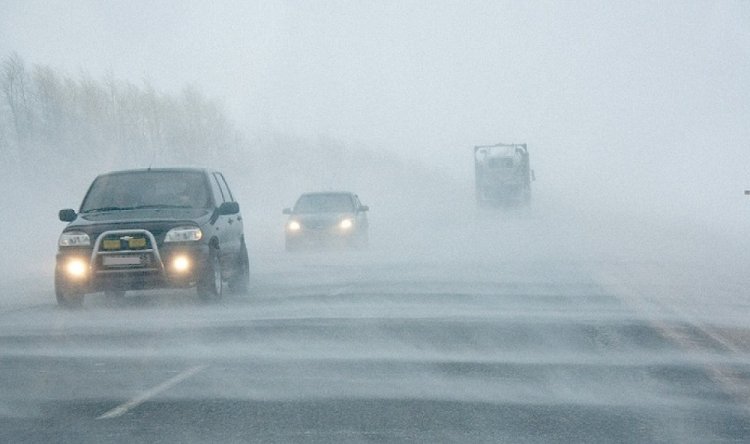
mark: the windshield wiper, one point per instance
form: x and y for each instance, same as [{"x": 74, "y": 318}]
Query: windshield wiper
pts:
[
  {"x": 137, "y": 207},
  {"x": 140, "y": 207},
  {"x": 92, "y": 210}
]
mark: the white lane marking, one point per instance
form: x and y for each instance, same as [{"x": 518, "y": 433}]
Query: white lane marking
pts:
[{"x": 145, "y": 396}]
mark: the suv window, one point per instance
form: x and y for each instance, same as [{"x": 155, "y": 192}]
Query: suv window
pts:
[
  {"x": 223, "y": 187},
  {"x": 147, "y": 189},
  {"x": 216, "y": 190}
]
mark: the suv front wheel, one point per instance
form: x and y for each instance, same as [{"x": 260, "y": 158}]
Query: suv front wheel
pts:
[
  {"x": 210, "y": 285},
  {"x": 67, "y": 295}
]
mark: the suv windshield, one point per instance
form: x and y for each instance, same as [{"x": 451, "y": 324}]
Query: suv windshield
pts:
[
  {"x": 324, "y": 203},
  {"x": 147, "y": 189}
]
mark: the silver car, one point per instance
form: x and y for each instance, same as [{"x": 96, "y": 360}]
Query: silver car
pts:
[{"x": 327, "y": 219}]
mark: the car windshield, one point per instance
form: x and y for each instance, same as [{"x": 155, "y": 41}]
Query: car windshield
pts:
[
  {"x": 324, "y": 203},
  {"x": 147, "y": 189}
]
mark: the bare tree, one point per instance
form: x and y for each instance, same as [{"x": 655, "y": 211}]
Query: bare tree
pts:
[
  {"x": 13, "y": 84},
  {"x": 49, "y": 101},
  {"x": 85, "y": 118}
]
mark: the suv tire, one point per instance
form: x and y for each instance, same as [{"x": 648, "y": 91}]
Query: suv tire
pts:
[
  {"x": 240, "y": 280},
  {"x": 67, "y": 296},
  {"x": 210, "y": 284}
]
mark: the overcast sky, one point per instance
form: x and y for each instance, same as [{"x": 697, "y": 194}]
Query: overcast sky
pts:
[{"x": 658, "y": 92}]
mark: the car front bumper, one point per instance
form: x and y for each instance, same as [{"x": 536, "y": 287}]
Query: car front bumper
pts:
[{"x": 329, "y": 238}]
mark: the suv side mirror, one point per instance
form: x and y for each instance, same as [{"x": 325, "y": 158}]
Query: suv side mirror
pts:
[
  {"x": 228, "y": 208},
  {"x": 286, "y": 211},
  {"x": 364, "y": 208},
  {"x": 67, "y": 215}
]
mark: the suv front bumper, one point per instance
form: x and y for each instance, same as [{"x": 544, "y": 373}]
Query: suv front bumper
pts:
[{"x": 88, "y": 270}]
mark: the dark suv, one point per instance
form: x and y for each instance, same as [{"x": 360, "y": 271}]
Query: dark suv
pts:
[{"x": 152, "y": 228}]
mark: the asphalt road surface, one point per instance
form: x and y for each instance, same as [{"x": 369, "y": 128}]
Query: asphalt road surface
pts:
[{"x": 375, "y": 347}]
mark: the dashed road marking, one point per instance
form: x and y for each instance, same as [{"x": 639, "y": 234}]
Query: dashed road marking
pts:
[{"x": 145, "y": 396}]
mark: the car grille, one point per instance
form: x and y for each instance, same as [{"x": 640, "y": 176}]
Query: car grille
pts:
[
  {"x": 126, "y": 250},
  {"x": 318, "y": 225}
]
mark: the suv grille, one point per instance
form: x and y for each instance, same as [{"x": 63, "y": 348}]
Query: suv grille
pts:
[
  {"x": 137, "y": 241},
  {"x": 126, "y": 250}
]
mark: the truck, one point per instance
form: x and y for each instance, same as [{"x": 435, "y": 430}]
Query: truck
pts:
[{"x": 503, "y": 174}]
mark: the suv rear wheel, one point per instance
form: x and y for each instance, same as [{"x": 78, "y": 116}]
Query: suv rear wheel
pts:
[{"x": 240, "y": 280}]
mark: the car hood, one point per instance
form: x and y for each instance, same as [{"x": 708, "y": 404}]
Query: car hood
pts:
[{"x": 320, "y": 216}]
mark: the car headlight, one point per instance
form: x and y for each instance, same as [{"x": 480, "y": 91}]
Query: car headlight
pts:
[
  {"x": 294, "y": 226},
  {"x": 346, "y": 224},
  {"x": 184, "y": 234},
  {"x": 74, "y": 239}
]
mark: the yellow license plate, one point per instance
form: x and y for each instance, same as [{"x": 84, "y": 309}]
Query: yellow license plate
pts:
[
  {"x": 111, "y": 244},
  {"x": 137, "y": 243}
]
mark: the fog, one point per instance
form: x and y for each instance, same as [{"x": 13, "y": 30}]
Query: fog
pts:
[
  {"x": 636, "y": 119},
  {"x": 634, "y": 114},
  {"x": 634, "y": 111}
]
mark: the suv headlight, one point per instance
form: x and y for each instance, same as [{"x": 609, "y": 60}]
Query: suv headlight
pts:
[
  {"x": 74, "y": 239},
  {"x": 184, "y": 234}
]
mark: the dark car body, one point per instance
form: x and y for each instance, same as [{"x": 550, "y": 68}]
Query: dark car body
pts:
[
  {"x": 149, "y": 229},
  {"x": 327, "y": 219}
]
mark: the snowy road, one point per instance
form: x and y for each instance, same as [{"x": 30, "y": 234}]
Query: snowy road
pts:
[{"x": 361, "y": 347}]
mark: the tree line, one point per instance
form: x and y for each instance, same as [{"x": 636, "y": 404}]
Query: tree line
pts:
[
  {"x": 58, "y": 125},
  {"x": 47, "y": 116}
]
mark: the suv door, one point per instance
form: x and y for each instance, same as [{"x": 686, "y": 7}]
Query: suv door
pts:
[
  {"x": 232, "y": 230},
  {"x": 360, "y": 215},
  {"x": 219, "y": 226}
]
